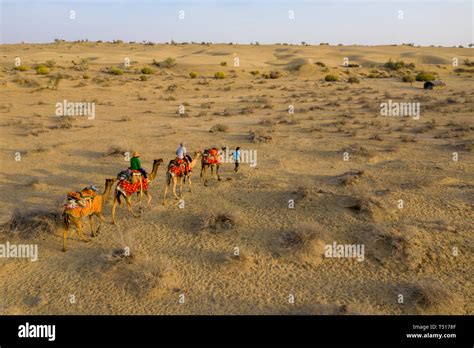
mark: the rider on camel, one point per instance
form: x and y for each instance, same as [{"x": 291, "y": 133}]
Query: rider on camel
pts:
[{"x": 136, "y": 165}]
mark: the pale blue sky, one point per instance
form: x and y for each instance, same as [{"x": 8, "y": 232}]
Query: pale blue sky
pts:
[{"x": 443, "y": 22}]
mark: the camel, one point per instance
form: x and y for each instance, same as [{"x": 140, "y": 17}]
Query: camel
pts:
[
  {"x": 93, "y": 208},
  {"x": 143, "y": 189},
  {"x": 205, "y": 164},
  {"x": 172, "y": 177}
]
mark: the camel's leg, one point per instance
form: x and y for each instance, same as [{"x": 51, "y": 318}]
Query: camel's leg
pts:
[
  {"x": 175, "y": 181},
  {"x": 80, "y": 232},
  {"x": 203, "y": 171},
  {"x": 130, "y": 209},
  {"x": 114, "y": 206},
  {"x": 149, "y": 197},
  {"x": 164, "y": 197},
  {"x": 91, "y": 223},
  {"x": 101, "y": 219},
  {"x": 217, "y": 172},
  {"x": 190, "y": 184},
  {"x": 66, "y": 229}
]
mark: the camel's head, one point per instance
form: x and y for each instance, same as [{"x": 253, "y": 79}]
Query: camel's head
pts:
[
  {"x": 158, "y": 162},
  {"x": 197, "y": 154},
  {"x": 110, "y": 181}
]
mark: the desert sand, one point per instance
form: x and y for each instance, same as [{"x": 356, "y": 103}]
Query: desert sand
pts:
[{"x": 183, "y": 260}]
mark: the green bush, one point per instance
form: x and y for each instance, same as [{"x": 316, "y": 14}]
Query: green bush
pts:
[
  {"x": 223, "y": 63},
  {"x": 423, "y": 76},
  {"x": 193, "y": 74},
  {"x": 167, "y": 63},
  {"x": 219, "y": 75},
  {"x": 147, "y": 71},
  {"x": 397, "y": 65},
  {"x": 22, "y": 68},
  {"x": 331, "y": 77},
  {"x": 42, "y": 70},
  {"x": 408, "y": 78},
  {"x": 353, "y": 79},
  {"x": 115, "y": 71}
]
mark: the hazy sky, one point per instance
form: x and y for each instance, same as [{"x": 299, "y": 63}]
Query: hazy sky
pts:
[{"x": 445, "y": 22}]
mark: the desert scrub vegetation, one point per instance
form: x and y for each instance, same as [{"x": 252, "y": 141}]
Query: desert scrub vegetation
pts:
[
  {"x": 424, "y": 76},
  {"x": 147, "y": 71},
  {"x": 397, "y": 65},
  {"x": 255, "y": 72},
  {"x": 21, "y": 68},
  {"x": 331, "y": 78},
  {"x": 167, "y": 63},
  {"x": 223, "y": 63},
  {"x": 219, "y": 128},
  {"x": 353, "y": 79},
  {"x": 50, "y": 63},
  {"x": 219, "y": 75},
  {"x": 408, "y": 78},
  {"x": 144, "y": 78},
  {"x": 193, "y": 74},
  {"x": 113, "y": 71},
  {"x": 42, "y": 70},
  {"x": 272, "y": 75}
]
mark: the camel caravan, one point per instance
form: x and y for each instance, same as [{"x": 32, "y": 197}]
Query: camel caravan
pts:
[{"x": 135, "y": 180}]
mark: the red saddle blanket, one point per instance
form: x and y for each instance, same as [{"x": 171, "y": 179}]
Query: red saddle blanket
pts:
[
  {"x": 179, "y": 167},
  {"x": 212, "y": 156},
  {"x": 128, "y": 188}
]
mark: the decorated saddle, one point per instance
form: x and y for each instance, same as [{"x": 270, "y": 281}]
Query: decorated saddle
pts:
[
  {"x": 179, "y": 167},
  {"x": 126, "y": 184},
  {"x": 211, "y": 156},
  {"x": 84, "y": 202}
]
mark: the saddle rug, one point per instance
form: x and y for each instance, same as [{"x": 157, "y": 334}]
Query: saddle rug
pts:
[
  {"x": 179, "y": 167},
  {"x": 83, "y": 207},
  {"x": 128, "y": 188},
  {"x": 211, "y": 156}
]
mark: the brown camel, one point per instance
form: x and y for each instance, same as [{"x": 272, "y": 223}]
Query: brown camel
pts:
[
  {"x": 93, "y": 208},
  {"x": 205, "y": 164},
  {"x": 143, "y": 189},
  {"x": 174, "y": 174}
]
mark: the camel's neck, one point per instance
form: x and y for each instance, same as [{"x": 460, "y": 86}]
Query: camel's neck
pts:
[
  {"x": 108, "y": 188},
  {"x": 154, "y": 171},
  {"x": 194, "y": 161}
]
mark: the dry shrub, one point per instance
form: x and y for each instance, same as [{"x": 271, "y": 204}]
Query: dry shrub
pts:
[
  {"x": 64, "y": 122},
  {"x": 395, "y": 247},
  {"x": 116, "y": 151},
  {"x": 32, "y": 223},
  {"x": 267, "y": 122},
  {"x": 258, "y": 137},
  {"x": 219, "y": 128},
  {"x": 301, "y": 193},
  {"x": 146, "y": 279},
  {"x": 350, "y": 178},
  {"x": 37, "y": 185},
  {"x": 303, "y": 243},
  {"x": 218, "y": 222},
  {"x": 367, "y": 207},
  {"x": 427, "y": 296}
]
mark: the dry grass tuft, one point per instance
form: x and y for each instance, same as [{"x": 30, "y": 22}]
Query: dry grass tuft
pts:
[
  {"x": 258, "y": 137},
  {"x": 32, "y": 223},
  {"x": 218, "y": 222}
]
